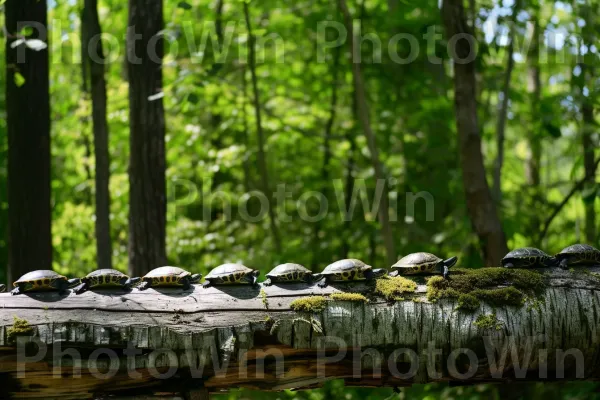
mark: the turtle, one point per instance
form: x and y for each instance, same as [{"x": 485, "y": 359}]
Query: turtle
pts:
[
  {"x": 578, "y": 255},
  {"x": 288, "y": 273},
  {"x": 41, "y": 281},
  {"x": 105, "y": 279},
  {"x": 423, "y": 263},
  {"x": 528, "y": 257},
  {"x": 348, "y": 270},
  {"x": 169, "y": 277},
  {"x": 231, "y": 274},
  {"x": 2, "y": 288}
]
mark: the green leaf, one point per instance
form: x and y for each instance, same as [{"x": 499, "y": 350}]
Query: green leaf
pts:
[
  {"x": 184, "y": 5},
  {"x": 26, "y": 31},
  {"x": 19, "y": 79}
]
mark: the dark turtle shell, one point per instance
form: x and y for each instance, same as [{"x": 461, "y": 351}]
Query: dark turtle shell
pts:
[
  {"x": 348, "y": 270},
  {"x": 105, "y": 278},
  {"x": 579, "y": 255},
  {"x": 528, "y": 257},
  {"x": 47, "y": 275},
  {"x": 289, "y": 272}
]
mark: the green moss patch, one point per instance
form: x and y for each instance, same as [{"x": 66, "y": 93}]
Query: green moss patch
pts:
[
  {"x": 394, "y": 288},
  {"x": 349, "y": 297},
  {"x": 469, "y": 286},
  {"x": 20, "y": 328},
  {"x": 263, "y": 295},
  {"x": 309, "y": 304},
  {"x": 488, "y": 321}
]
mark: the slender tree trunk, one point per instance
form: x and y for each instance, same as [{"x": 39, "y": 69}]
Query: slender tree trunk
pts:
[
  {"x": 262, "y": 158},
  {"x": 349, "y": 188},
  {"x": 147, "y": 165},
  {"x": 534, "y": 143},
  {"x": 589, "y": 125},
  {"x": 364, "y": 117},
  {"x": 327, "y": 150},
  {"x": 503, "y": 110},
  {"x": 95, "y": 56},
  {"x": 480, "y": 205},
  {"x": 28, "y": 123}
]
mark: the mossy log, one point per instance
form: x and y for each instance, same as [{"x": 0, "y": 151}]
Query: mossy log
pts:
[{"x": 170, "y": 342}]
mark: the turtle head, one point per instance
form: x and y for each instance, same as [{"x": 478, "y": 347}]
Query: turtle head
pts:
[
  {"x": 379, "y": 272},
  {"x": 449, "y": 263},
  {"x": 195, "y": 278}
]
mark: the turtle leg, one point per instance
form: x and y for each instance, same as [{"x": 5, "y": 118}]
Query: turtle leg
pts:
[
  {"x": 268, "y": 282},
  {"x": 81, "y": 288},
  {"x": 144, "y": 285},
  {"x": 564, "y": 264},
  {"x": 323, "y": 282},
  {"x": 131, "y": 282},
  {"x": 446, "y": 270},
  {"x": 308, "y": 278},
  {"x": 206, "y": 284},
  {"x": 186, "y": 284},
  {"x": 509, "y": 265},
  {"x": 61, "y": 286},
  {"x": 16, "y": 291}
]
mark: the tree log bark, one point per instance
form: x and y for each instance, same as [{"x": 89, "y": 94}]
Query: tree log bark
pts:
[{"x": 225, "y": 337}]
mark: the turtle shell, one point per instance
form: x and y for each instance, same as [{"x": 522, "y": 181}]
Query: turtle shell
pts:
[
  {"x": 2, "y": 288},
  {"x": 228, "y": 270},
  {"x": 287, "y": 269},
  {"x": 580, "y": 254},
  {"x": 416, "y": 259},
  {"x": 529, "y": 257},
  {"x": 167, "y": 271},
  {"x": 105, "y": 272},
  {"x": 347, "y": 265},
  {"x": 41, "y": 275},
  {"x": 289, "y": 273},
  {"x": 106, "y": 278}
]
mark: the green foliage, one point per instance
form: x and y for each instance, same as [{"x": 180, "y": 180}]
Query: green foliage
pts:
[
  {"x": 20, "y": 327},
  {"x": 314, "y": 304},
  {"x": 356, "y": 297},
  {"x": 488, "y": 321}
]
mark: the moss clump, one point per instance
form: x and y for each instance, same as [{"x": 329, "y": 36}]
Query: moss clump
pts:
[
  {"x": 467, "y": 302},
  {"x": 263, "y": 295},
  {"x": 349, "y": 297},
  {"x": 309, "y": 304},
  {"x": 488, "y": 321},
  {"x": 481, "y": 284},
  {"x": 20, "y": 328},
  {"x": 394, "y": 288}
]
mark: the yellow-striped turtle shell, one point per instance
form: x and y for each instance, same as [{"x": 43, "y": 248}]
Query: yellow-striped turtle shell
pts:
[
  {"x": 231, "y": 274},
  {"x": 169, "y": 277},
  {"x": 528, "y": 257},
  {"x": 423, "y": 263},
  {"x": 42, "y": 280},
  {"x": 348, "y": 270},
  {"x": 288, "y": 273},
  {"x": 105, "y": 279}
]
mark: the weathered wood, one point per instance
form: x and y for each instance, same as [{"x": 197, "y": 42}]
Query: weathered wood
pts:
[{"x": 218, "y": 338}]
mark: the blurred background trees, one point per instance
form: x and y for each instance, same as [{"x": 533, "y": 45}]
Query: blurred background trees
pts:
[{"x": 254, "y": 97}]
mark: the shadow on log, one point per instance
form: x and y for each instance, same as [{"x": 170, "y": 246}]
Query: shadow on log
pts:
[{"x": 173, "y": 343}]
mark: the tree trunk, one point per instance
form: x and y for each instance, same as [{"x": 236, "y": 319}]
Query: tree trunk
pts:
[
  {"x": 95, "y": 56},
  {"x": 534, "y": 138},
  {"x": 147, "y": 164},
  {"x": 364, "y": 117},
  {"x": 262, "y": 157},
  {"x": 28, "y": 125},
  {"x": 503, "y": 110},
  {"x": 480, "y": 205},
  {"x": 327, "y": 152},
  {"x": 231, "y": 337}
]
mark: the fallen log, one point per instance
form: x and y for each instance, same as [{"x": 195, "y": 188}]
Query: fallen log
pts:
[{"x": 484, "y": 327}]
